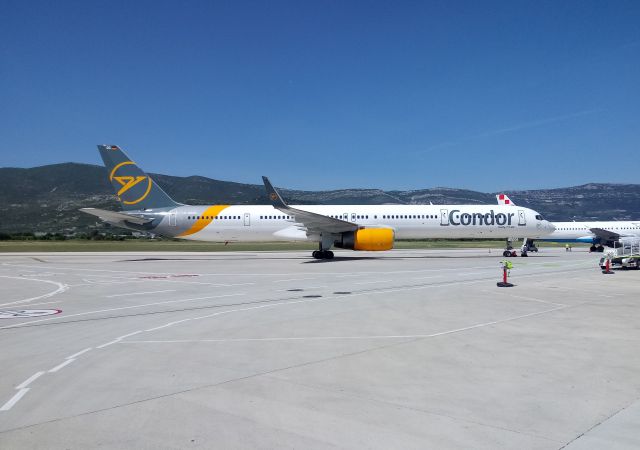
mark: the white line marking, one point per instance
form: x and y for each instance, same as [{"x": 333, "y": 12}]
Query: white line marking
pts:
[
  {"x": 15, "y": 399},
  {"x": 130, "y": 334},
  {"x": 407, "y": 336},
  {"x": 523, "y": 297},
  {"x": 81, "y": 352},
  {"x": 122, "y": 308},
  {"x": 376, "y": 281},
  {"x": 29, "y": 380},
  {"x": 198, "y": 282},
  {"x": 118, "y": 339},
  {"x": 166, "y": 325},
  {"x": 115, "y": 341},
  {"x": 427, "y": 278},
  {"x": 61, "y": 365},
  {"x": 45, "y": 303},
  {"x": 292, "y": 279},
  {"x": 61, "y": 288},
  {"x": 140, "y": 293},
  {"x": 160, "y": 327}
]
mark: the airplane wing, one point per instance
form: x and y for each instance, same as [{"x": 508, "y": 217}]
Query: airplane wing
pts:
[
  {"x": 314, "y": 223},
  {"x": 114, "y": 216},
  {"x": 605, "y": 235}
]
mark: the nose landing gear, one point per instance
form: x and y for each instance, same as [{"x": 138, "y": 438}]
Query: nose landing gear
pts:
[{"x": 509, "y": 251}]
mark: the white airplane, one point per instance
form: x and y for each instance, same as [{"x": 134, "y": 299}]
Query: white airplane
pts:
[
  {"x": 146, "y": 207},
  {"x": 598, "y": 234}
]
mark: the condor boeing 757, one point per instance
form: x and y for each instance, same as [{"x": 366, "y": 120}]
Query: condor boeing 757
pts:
[{"x": 146, "y": 207}]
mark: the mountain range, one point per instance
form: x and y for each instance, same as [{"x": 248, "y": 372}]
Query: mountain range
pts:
[{"x": 47, "y": 198}]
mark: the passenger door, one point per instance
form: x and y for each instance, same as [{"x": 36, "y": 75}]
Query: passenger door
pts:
[
  {"x": 444, "y": 217},
  {"x": 247, "y": 219},
  {"x": 522, "y": 218}
]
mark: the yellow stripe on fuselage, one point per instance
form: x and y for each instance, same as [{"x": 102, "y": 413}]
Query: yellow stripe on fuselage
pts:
[{"x": 204, "y": 220}]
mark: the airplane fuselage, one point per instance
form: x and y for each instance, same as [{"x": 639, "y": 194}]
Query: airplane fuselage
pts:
[
  {"x": 221, "y": 223},
  {"x": 580, "y": 231}
]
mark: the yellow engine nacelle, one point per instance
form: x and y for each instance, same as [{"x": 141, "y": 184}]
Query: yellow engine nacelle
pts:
[{"x": 367, "y": 239}]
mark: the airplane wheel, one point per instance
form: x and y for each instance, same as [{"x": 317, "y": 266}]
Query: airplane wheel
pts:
[
  {"x": 315, "y": 254},
  {"x": 600, "y": 248},
  {"x": 524, "y": 254},
  {"x": 329, "y": 254},
  {"x": 593, "y": 248},
  {"x": 506, "y": 253}
]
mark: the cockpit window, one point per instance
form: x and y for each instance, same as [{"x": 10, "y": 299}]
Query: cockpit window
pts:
[{"x": 539, "y": 217}]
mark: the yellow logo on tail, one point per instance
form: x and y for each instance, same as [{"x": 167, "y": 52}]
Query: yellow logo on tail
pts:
[{"x": 127, "y": 182}]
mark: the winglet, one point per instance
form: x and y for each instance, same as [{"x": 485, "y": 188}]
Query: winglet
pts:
[{"x": 273, "y": 194}]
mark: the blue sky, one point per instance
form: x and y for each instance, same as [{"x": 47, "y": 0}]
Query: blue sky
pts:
[{"x": 329, "y": 94}]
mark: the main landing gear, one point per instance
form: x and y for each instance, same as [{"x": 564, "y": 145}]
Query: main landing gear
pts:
[
  {"x": 599, "y": 248},
  {"x": 322, "y": 254}
]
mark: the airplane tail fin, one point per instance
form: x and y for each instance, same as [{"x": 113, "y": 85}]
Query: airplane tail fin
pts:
[
  {"x": 134, "y": 188},
  {"x": 504, "y": 200}
]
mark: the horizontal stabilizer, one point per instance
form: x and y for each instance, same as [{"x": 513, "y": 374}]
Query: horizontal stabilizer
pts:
[{"x": 115, "y": 217}]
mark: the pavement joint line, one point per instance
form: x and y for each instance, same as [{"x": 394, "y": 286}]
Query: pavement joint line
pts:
[
  {"x": 66, "y": 362},
  {"x": 81, "y": 352},
  {"x": 45, "y": 303},
  {"x": 121, "y": 308},
  {"x": 399, "y": 289},
  {"x": 139, "y": 293},
  {"x": 13, "y": 400},
  {"x": 338, "y": 274},
  {"x": 600, "y": 422},
  {"x": 61, "y": 288},
  {"x": 406, "y": 407},
  {"x": 292, "y": 279},
  {"x": 29, "y": 380}
]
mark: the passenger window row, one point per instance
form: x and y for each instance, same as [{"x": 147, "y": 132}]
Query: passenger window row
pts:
[
  {"x": 214, "y": 217},
  {"x": 410, "y": 216}
]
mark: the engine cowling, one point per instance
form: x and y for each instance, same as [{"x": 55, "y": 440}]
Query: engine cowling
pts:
[{"x": 367, "y": 239}]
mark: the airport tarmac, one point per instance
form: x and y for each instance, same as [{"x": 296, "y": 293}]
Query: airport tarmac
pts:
[{"x": 402, "y": 349}]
